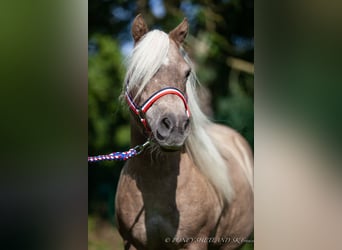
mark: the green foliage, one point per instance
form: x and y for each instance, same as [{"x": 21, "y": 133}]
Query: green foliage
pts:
[
  {"x": 105, "y": 77},
  {"x": 236, "y": 109}
]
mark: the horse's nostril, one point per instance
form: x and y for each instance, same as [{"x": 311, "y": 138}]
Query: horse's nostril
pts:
[
  {"x": 186, "y": 124},
  {"x": 166, "y": 123}
]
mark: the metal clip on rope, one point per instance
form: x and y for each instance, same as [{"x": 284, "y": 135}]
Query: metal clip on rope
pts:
[
  {"x": 140, "y": 148},
  {"x": 120, "y": 156}
]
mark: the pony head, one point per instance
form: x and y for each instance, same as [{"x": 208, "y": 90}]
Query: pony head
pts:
[{"x": 156, "y": 83}]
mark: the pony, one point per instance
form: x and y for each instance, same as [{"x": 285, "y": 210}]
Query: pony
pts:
[{"x": 192, "y": 186}]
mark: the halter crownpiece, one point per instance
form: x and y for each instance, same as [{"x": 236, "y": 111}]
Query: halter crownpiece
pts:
[{"x": 140, "y": 111}]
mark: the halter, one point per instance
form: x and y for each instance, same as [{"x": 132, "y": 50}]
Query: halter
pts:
[{"x": 140, "y": 111}]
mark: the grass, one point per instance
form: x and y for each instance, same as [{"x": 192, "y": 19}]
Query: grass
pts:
[{"x": 102, "y": 235}]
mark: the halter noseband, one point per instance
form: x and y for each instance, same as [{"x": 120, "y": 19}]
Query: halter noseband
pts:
[{"x": 140, "y": 111}]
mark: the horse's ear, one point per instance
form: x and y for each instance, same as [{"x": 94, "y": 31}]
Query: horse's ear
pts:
[
  {"x": 179, "y": 33},
  {"x": 139, "y": 28}
]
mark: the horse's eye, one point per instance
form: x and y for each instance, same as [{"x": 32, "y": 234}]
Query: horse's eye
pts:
[{"x": 187, "y": 74}]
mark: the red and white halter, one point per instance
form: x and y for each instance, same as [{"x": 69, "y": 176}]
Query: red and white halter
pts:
[{"x": 140, "y": 111}]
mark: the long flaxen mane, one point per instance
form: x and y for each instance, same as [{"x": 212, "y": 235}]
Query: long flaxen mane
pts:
[{"x": 145, "y": 60}]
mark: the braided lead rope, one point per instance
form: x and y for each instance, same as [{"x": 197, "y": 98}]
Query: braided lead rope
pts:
[{"x": 120, "y": 156}]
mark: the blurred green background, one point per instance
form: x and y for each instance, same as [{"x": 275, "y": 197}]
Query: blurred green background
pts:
[{"x": 221, "y": 45}]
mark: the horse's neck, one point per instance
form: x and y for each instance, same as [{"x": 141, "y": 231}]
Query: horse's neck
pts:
[{"x": 152, "y": 160}]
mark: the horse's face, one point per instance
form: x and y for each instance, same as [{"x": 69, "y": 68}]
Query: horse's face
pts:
[{"x": 167, "y": 118}]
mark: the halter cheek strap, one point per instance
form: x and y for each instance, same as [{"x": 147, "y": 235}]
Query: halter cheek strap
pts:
[{"x": 140, "y": 111}]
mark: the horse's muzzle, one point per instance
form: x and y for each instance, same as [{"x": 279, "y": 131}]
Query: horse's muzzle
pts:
[{"x": 171, "y": 131}]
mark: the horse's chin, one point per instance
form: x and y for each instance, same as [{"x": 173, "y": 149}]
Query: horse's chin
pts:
[
  {"x": 170, "y": 149},
  {"x": 170, "y": 144}
]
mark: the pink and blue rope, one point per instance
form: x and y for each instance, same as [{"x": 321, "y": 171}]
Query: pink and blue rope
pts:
[
  {"x": 119, "y": 156},
  {"x": 116, "y": 156}
]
